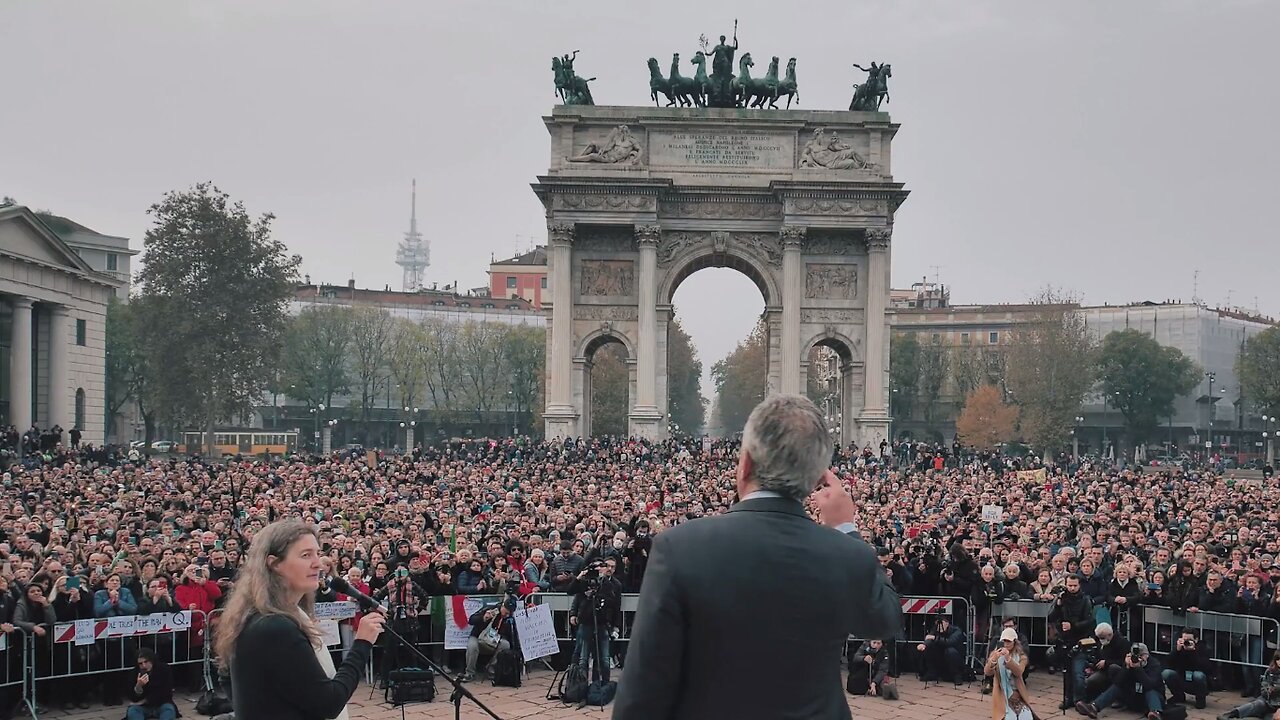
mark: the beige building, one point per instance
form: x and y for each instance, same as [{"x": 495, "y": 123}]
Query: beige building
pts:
[{"x": 53, "y": 307}]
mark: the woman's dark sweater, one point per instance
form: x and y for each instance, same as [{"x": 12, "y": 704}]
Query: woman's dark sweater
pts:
[{"x": 275, "y": 674}]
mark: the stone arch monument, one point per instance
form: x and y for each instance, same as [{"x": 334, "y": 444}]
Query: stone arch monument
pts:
[{"x": 637, "y": 199}]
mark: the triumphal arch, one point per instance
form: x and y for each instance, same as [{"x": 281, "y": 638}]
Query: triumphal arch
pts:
[{"x": 800, "y": 201}]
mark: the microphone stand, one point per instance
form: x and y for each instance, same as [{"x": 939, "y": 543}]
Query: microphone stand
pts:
[{"x": 459, "y": 690}]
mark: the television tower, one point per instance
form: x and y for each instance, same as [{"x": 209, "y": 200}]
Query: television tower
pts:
[{"x": 413, "y": 254}]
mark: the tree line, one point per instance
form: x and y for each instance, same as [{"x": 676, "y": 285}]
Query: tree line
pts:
[{"x": 208, "y": 337}]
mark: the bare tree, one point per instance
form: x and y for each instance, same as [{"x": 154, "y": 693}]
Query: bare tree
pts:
[
  {"x": 371, "y": 333},
  {"x": 1050, "y": 368}
]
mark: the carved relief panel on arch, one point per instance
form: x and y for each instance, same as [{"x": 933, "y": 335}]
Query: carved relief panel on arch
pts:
[{"x": 606, "y": 278}]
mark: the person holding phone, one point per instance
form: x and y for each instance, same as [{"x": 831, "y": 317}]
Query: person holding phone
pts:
[{"x": 152, "y": 691}]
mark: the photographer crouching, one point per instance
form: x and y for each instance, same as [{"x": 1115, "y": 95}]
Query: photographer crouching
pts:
[
  {"x": 1106, "y": 661},
  {"x": 1188, "y": 671},
  {"x": 597, "y": 606},
  {"x": 1072, "y": 616},
  {"x": 1139, "y": 686},
  {"x": 492, "y": 633},
  {"x": 943, "y": 652}
]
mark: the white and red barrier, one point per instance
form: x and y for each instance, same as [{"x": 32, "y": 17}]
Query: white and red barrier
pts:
[
  {"x": 926, "y": 606},
  {"x": 88, "y": 631}
]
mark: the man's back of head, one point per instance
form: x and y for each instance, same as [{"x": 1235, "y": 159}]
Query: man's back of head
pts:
[{"x": 785, "y": 448}]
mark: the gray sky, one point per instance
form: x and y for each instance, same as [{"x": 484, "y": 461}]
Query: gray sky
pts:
[{"x": 1109, "y": 148}]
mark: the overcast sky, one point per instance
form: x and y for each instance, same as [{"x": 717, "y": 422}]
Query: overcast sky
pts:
[{"x": 1109, "y": 148}]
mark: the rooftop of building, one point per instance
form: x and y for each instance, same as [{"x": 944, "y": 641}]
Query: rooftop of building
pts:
[
  {"x": 536, "y": 256},
  {"x": 73, "y": 233},
  {"x": 422, "y": 298},
  {"x": 1241, "y": 314}
]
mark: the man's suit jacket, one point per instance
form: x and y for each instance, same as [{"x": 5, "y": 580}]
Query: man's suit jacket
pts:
[{"x": 745, "y": 615}]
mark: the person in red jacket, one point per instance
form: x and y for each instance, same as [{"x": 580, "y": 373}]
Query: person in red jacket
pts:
[
  {"x": 347, "y": 628},
  {"x": 194, "y": 592}
]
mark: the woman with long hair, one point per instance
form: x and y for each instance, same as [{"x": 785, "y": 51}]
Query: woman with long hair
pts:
[
  {"x": 1005, "y": 667},
  {"x": 268, "y": 639}
]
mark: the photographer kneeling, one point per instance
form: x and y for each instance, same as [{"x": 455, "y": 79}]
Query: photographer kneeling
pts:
[
  {"x": 869, "y": 669},
  {"x": 1139, "y": 686},
  {"x": 491, "y": 633},
  {"x": 597, "y": 605},
  {"x": 1188, "y": 671},
  {"x": 943, "y": 652},
  {"x": 1107, "y": 660}
]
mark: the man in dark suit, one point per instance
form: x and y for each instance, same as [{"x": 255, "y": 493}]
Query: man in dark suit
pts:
[{"x": 746, "y": 615}]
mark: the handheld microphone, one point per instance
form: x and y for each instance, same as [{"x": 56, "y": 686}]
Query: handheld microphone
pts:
[{"x": 340, "y": 584}]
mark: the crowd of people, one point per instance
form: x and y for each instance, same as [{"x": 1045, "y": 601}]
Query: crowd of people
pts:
[{"x": 86, "y": 533}]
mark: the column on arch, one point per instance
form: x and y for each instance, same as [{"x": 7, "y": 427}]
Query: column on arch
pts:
[
  {"x": 792, "y": 296},
  {"x": 875, "y": 408},
  {"x": 560, "y": 415}
]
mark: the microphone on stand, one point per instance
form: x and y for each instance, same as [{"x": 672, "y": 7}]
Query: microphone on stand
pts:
[{"x": 341, "y": 585}]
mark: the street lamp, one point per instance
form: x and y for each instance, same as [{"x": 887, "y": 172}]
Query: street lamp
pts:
[
  {"x": 1208, "y": 430},
  {"x": 1268, "y": 435},
  {"x": 1075, "y": 439}
]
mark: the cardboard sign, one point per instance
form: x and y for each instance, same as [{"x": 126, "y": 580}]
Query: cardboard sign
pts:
[
  {"x": 992, "y": 513},
  {"x": 336, "y": 610},
  {"x": 455, "y": 638},
  {"x": 536, "y": 632},
  {"x": 329, "y": 632},
  {"x": 85, "y": 632},
  {"x": 120, "y": 626}
]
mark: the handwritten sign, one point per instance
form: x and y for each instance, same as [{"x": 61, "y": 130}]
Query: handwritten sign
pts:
[
  {"x": 455, "y": 638},
  {"x": 536, "y": 632},
  {"x": 992, "y": 513},
  {"x": 179, "y": 621},
  {"x": 335, "y": 610},
  {"x": 120, "y": 626},
  {"x": 149, "y": 624},
  {"x": 329, "y": 632},
  {"x": 84, "y": 632}
]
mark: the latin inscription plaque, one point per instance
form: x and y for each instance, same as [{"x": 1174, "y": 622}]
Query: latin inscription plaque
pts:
[{"x": 721, "y": 150}]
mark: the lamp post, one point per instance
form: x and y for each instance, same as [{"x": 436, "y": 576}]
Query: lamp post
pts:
[
  {"x": 1075, "y": 438},
  {"x": 409, "y": 426},
  {"x": 326, "y": 436},
  {"x": 1208, "y": 428},
  {"x": 316, "y": 413},
  {"x": 1268, "y": 435}
]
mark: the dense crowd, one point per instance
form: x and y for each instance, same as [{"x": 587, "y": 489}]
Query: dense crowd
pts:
[{"x": 86, "y": 533}]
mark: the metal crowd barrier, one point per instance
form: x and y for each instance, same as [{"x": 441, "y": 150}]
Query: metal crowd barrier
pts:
[
  {"x": 103, "y": 646},
  {"x": 918, "y": 615},
  {"x": 15, "y": 678},
  {"x": 1032, "y": 617},
  {"x": 1226, "y": 638}
]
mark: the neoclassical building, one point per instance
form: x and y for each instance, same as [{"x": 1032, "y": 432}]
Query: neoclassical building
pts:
[{"x": 53, "y": 309}]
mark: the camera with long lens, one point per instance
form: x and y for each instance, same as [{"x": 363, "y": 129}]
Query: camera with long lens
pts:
[{"x": 1135, "y": 654}]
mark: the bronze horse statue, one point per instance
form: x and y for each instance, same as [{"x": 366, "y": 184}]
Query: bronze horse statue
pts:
[
  {"x": 659, "y": 84},
  {"x": 788, "y": 86},
  {"x": 688, "y": 91},
  {"x": 571, "y": 89}
]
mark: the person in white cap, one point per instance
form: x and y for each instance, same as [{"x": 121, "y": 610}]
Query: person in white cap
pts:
[{"x": 1005, "y": 666}]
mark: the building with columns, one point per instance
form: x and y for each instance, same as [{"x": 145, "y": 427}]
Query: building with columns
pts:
[
  {"x": 53, "y": 308},
  {"x": 637, "y": 199}
]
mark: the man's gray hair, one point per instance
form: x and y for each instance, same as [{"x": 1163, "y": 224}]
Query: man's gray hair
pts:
[{"x": 790, "y": 449}]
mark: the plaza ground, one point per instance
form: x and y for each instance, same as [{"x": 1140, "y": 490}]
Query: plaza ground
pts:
[{"x": 529, "y": 703}]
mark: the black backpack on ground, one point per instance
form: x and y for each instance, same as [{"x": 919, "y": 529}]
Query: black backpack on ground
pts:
[
  {"x": 506, "y": 669},
  {"x": 572, "y": 686}
]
